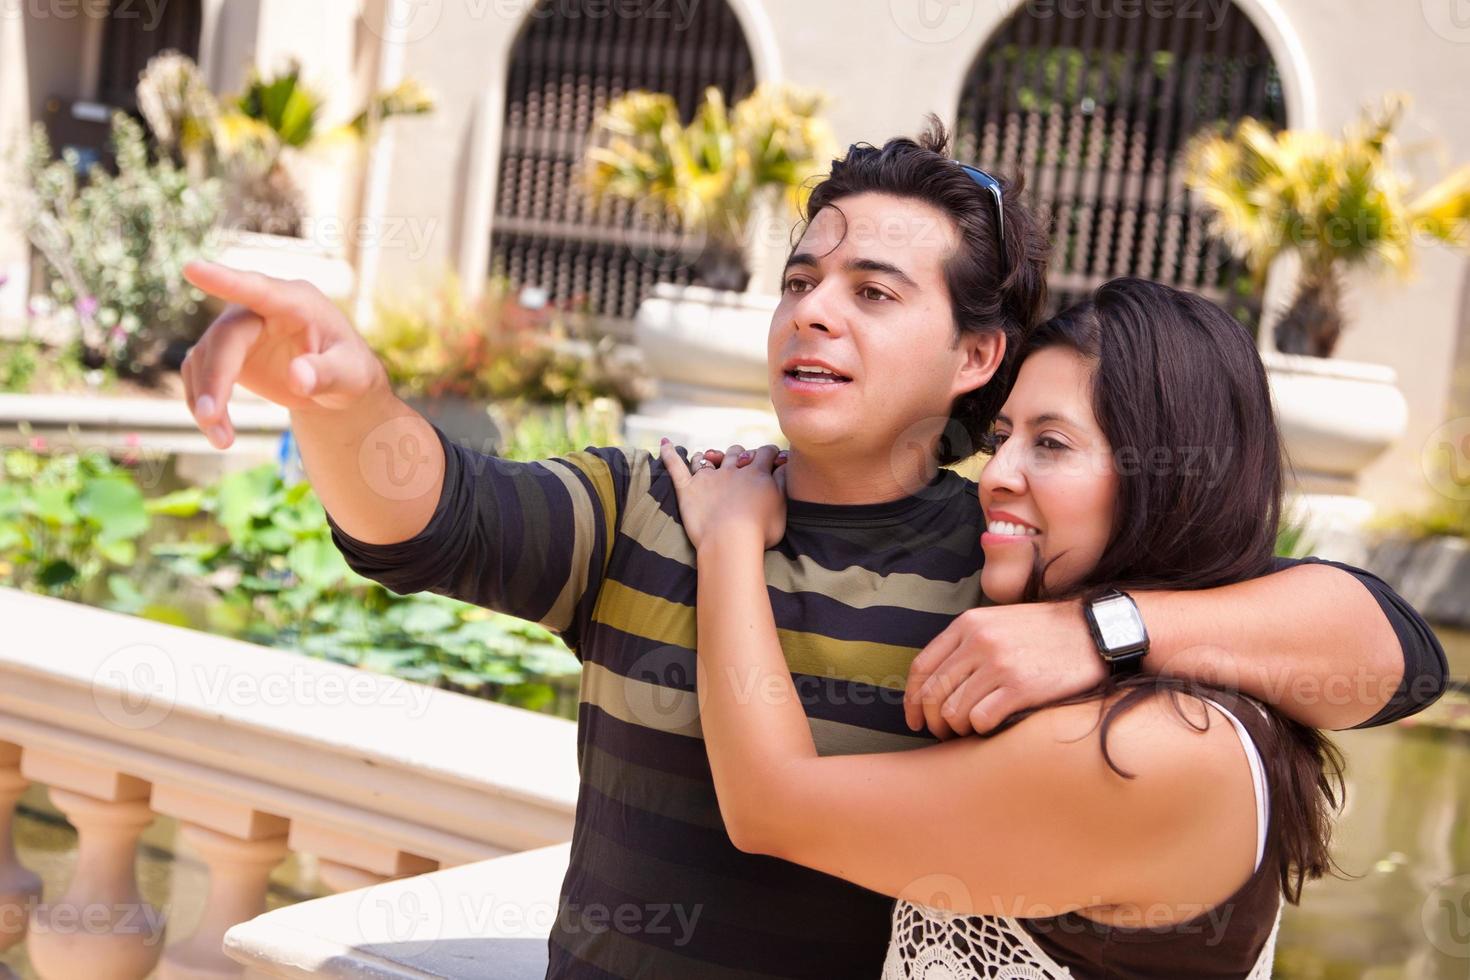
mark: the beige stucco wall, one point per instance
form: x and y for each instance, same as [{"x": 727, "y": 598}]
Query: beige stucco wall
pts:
[
  {"x": 25, "y": 83},
  {"x": 14, "y": 114},
  {"x": 53, "y": 49},
  {"x": 886, "y": 63},
  {"x": 429, "y": 188},
  {"x": 1358, "y": 51}
]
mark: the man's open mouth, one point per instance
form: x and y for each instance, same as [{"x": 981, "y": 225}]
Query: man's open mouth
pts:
[{"x": 811, "y": 374}]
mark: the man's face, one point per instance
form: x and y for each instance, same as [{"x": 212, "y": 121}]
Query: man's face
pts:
[{"x": 862, "y": 349}]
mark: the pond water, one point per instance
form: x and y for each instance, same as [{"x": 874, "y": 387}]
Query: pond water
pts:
[{"x": 1405, "y": 836}]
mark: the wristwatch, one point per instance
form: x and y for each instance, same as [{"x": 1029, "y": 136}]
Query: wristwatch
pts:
[{"x": 1117, "y": 629}]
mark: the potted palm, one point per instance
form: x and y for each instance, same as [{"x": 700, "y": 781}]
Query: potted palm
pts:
[
  {"x": 260, "y": 145},
  {"x": 500, "y": 366},
  {"x": 1333, "y": 204},
  {"x": 723, "y": 192},
  {"x": 709, "y": 181}
]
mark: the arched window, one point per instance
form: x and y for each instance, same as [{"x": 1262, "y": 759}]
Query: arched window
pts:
[
  {"x": 1093, "y": 110},
  {"x": 133, "y": 33},
  {"x": 565, "y": 67}
]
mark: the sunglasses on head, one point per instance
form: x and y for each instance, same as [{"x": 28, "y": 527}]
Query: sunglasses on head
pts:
[{"x": 992, "y": 185}]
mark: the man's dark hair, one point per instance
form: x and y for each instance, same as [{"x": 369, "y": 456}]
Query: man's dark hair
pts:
[{"x": 985, "y": 293}]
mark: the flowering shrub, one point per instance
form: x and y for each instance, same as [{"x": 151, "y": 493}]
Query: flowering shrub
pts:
[
  {"x": 448, "y": 344},
  {"x": 116, "y": 245},
  {"x": 248, "y": 140}
]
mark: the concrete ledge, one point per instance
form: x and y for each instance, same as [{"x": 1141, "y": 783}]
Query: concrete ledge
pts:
[
  {"x": 1431, "y": 573},
  {"x": 156, "y": 429},
  {"x": 160, "y": 423},
  {"x": 483, "y": 921},
  {"x": 440, "y": 775}
]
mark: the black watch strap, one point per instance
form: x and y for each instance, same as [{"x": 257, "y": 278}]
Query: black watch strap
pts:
[
  {"x": 1126, "y": 666},
  {"x": 1123, "y": 654}
]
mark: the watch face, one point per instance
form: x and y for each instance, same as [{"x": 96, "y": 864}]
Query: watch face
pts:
[{"x": 1119, "y": 623}]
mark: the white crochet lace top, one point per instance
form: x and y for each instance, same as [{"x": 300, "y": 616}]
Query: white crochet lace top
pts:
[{"x": 934, "y": 944}]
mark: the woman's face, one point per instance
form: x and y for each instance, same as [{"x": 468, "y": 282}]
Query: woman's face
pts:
[{"x": 1051, "y": 485}]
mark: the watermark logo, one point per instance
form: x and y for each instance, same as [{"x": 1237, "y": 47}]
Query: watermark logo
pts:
[
  {"x": 1209, "y": 14},
  {"x": 407, "y": 21},
  {"x": 136, "y": 686},
  {"x": 147, "y": 14},
  {"x": 1445, "y": 459},
  {"x": 410, "y": 21},
  {"x": 658, "y": 689},
  {"x": 940, "y": 892},
  {"x": 911, "y": 458},
  {"x": 395, "y": 461},
  {"x": 1445, "y": 915},
  {"x": 408, "y": 913},
  {"x": 659, "y": 239},
  {"x": 932, "y": 21},
  {"x": 1450, "y": 19},
  {"x": 96, "y": 919}
]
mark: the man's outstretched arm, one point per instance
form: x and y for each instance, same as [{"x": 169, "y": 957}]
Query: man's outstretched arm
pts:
[
  {"x": 372, "y": 460},
  {"x": 407, "y": 507},
  {"x": 1329, "y": 645}
]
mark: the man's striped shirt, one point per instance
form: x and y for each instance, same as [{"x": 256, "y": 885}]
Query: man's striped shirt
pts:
[{"x": 591, "y": 546}]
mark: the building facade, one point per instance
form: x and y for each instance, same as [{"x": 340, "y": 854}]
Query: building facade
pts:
[{"x": 482, "y": 182}]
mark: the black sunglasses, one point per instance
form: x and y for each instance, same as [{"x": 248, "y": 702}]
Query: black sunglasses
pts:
[{"x": 992, "y": 185}]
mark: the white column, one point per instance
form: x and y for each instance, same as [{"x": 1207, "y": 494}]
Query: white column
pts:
[
  {"x": 15, "y": 122},
  {"x": 19, "y": 886},
  {"x": 240, "y": 846},
  {"x": 239, "y": 873},
  {"x": 100, "y": 929}
]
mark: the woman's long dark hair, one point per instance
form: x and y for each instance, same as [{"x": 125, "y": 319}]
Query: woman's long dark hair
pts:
[{"x": 1181, "y": 394}]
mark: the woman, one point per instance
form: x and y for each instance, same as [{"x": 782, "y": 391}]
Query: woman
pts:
[{"x": 1136, "y": 449}]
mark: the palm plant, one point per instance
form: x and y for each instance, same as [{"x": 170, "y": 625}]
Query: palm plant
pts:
[
  {"x": 245, "y": 139},
  {"x": 115, "y": 245},
  {"x": 709, "y": 178},
  {"x": 1335, "y": 202}
]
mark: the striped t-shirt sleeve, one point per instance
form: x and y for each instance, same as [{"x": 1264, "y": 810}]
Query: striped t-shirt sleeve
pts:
[{"x": 528, "y": 539}]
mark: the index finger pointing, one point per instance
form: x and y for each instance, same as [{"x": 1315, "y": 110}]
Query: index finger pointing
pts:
[{"x": 262, "y": 294}]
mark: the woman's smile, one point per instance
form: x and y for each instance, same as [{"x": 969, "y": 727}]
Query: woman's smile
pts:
[{"x": 1004, "y": 528}]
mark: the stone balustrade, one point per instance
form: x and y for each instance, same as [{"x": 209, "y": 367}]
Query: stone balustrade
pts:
[{"x": 256, "y": 753}]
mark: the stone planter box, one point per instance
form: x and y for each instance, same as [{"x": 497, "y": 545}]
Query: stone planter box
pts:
[
  {"x": 1336, "y": 417},
  {"x": 465, "y": 421},
  {"x": 1431, "y": 573},
  {"x": 488, "y": 427},
  {"x": 288, "y": 258},
  {"x": 152, "y": 427},
  {"x": 706, "y": 350},
  {"x": 156, "y": 428}
]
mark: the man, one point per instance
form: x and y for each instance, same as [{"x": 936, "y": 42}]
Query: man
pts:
[{"x": 910, "y": 284}]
